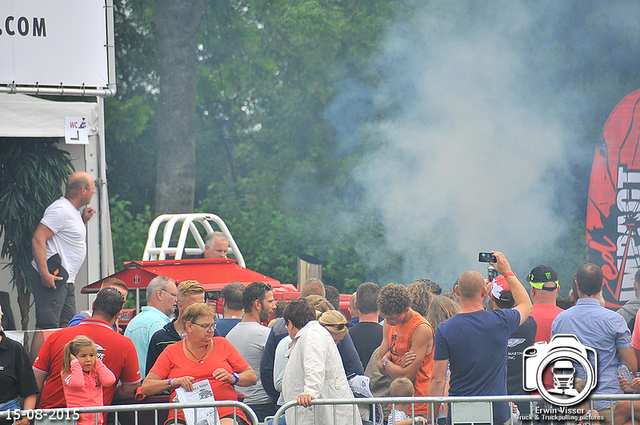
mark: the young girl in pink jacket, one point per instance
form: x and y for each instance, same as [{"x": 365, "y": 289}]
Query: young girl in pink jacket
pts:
[{"x": 83, "y": 377}]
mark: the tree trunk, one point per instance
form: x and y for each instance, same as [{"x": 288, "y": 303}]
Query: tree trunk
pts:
[
  {"x": 24, "y": 301},
  {"x": 176, "y": 25},
  {"x": 24, "y": 295}
]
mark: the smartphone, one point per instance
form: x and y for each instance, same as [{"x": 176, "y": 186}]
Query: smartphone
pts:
[{"x": 486, "y": 257}]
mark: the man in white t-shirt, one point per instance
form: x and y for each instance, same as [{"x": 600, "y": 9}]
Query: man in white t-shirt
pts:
[
  {"x": 61, "y": 231},
  {"x": 249, "y": 338}
]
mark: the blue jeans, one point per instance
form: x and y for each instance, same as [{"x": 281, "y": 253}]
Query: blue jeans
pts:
[
  {"x": 8, "y": 406},
  {"x": 280, "y": 422}
]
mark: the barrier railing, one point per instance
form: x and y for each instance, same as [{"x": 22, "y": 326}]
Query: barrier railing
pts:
[
  {"x": 549, "y": 415},
  {"x": 67, "y": 415}
]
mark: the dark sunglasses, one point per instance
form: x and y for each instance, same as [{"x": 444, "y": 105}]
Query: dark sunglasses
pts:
[{"x": 265, "y": 287}]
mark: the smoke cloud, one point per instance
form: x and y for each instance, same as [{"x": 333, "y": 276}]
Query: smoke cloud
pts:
[{"x": 474, "y": 132}]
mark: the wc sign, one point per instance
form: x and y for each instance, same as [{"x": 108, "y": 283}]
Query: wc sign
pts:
[{"x": 75, "y": 131}]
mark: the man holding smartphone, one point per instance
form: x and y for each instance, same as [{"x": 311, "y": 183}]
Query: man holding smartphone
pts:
[{"x": 486, "y": 333}]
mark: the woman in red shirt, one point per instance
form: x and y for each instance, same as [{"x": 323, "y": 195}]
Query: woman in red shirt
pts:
[{"x": 197, "y": 357}]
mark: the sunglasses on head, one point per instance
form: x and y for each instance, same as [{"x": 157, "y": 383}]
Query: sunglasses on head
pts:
[{"x": 265, "y": 287}]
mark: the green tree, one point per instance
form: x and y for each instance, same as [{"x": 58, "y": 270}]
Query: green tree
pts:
[
  {"x": 265, "y": 75},
  {"x": 130, "y": 116},
  {"x": 266, "y": 156},
  {"x": 32, "y": 174},
  {"x": 266, "y": 79},
  {"x": 129, "y": 231}
]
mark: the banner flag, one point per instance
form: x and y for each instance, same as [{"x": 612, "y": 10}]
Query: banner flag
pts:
[{"x": 613, "y": 209}]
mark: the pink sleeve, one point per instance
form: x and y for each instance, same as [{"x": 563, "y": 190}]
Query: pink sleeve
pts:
[
  {"x": 75, "y": 379},
  {"x": 107, "y": 378},
  {"x": 635, "y": 335}
]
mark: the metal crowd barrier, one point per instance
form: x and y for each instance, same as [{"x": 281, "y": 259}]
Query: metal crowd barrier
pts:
[
  {"x": 471, "y": 408},
  {"x": 65, "y": 416},
  {"x": 472, "y": 411}
]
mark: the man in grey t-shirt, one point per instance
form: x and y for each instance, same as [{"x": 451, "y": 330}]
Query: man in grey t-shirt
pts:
[{"x": 249, "y": 338}]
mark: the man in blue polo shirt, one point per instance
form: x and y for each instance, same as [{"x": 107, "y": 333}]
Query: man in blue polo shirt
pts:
[
  {"x": 601, "y": 329},
  {"x": 161, "y": 300}
]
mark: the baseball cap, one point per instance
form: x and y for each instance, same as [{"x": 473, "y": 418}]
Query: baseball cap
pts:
[
  {"x": 541, "y": 275},
  {"x": 499, "y": 286}
]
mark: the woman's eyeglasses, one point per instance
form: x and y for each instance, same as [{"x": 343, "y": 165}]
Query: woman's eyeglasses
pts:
[{"x": 207, "y": 328}]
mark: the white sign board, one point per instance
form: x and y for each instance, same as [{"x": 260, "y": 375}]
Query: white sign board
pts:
[
  {"x": 50, "y": 43},
  {"x": 75, "y": 131}
]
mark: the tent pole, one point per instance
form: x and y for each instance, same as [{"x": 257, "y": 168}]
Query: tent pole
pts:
[{"x": 105, "y": 226}]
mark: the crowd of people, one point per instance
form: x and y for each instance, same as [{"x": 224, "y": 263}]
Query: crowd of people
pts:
[{"x": 407, "y": 341}]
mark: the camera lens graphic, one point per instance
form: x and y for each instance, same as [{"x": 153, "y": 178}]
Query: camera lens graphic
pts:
[{"x": 563, "y": 393}]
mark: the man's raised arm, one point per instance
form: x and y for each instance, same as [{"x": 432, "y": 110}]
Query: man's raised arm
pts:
[{"x": 520, "y": 296}]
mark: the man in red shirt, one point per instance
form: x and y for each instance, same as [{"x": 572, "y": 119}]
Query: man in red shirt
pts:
[
  {"x": 544, "y": 289},
  {"x": 116, "y": 351}
]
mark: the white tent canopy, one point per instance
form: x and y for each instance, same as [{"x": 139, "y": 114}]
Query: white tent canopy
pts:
[{"x": 26, "y": 116}]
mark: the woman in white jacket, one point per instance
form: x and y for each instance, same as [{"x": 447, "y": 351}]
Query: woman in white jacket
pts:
[{"x": 314, "y": 370}]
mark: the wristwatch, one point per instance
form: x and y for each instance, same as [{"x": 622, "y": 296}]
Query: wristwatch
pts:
[{"x": 237, "y": 378}]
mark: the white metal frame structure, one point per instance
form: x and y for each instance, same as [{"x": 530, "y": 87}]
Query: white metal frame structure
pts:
[{"x": 154, "y": 252}]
